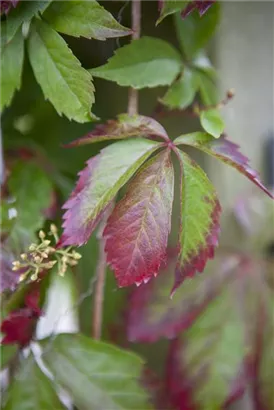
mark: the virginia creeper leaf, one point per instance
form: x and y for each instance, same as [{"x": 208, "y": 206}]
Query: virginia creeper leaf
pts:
[
  {"x": 124, "y": 127},
  {"x": 206, "y": 358},
  {"x": 153, "y": 314},
  {"x": 212, "y": 122},
  {"x": 137, "y": 230},
  {"x": 24, "y": 12},
  {"x": 182, "y": 92},
  {"x": 7, "y": 352},
  {"x": 194, "y": 32},
  {"x": 84, "y": 18},
  {"x": 200, "y": 211},
  {"x": 170, "y": 7},
  {"x": 31, "y": 389},
  {"x": 12, "y": 57},
  {"x": 147, "y": 62},
  {"x": 63, "y": 81},
  {"x": 201, "y": 5},
  {"x": 98, "y": 184},
  {"x": 96, "y": 374},
  {"x": 224, "y": 150},
  {"x": 208, "y": 89}
]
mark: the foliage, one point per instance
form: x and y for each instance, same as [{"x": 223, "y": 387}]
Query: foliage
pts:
[{"x": 140, "y": 188}]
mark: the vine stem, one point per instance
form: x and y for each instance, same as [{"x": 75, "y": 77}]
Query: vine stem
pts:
[
  {"x": 136, "y": 27},
  {"x": 97, "y": 319}
]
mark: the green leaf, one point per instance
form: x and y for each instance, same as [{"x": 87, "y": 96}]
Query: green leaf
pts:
[
  {"x": 171, "y": 7},
  {"x": 147, "y": 62},
  {"x": 214, "y": 347},
  {"x": 7, "y": 352},
  {"x": 64, "y": 82},
  {"x": 31, "y": 389},
  {"x": 97, "y": 375},
  {"x": 31, "y": 191},
  {"x": 208, "y": 89},
  {"x": 12, "y": 57},
  {"x": 98, "y": 184},
  {"x": 23, "y": 12},
  {"x": 182, "y": 92},
  {"x": 194, "y": 31},
  {"x": 200, "y": 211},
  {"x": 84, "y": 18},
  {"x": 212, "y": 122}
]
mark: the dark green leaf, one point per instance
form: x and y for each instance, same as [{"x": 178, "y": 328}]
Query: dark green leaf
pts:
[
  {"x": 12, "y": 57},
  {"x": 182, "y": 92},
  {"x": 7, "y": 352},
  {"x": 97, "y": 375},
  {"x": 147, "y": 62},
  {"x": 32, "y": 390},
  {"x": 84, "y": 18},
  {"x": 63, "y": 81},
  {"x": 194, "y": 31},
  {"x": 24, "y": 12},
  {"x": 212, "y": 122}
]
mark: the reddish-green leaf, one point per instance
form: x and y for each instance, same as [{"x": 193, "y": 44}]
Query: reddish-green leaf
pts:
[
  {"x": 124, "y": 127},
  {"x": 98, "y": 184},
  {"x": 224, "y": 150},
  {"x": 208, "y": 357},
  {"x": 137, "y": 231},
  {"x": 153, "y": 314},
  {"x": 200, "y": 211}
]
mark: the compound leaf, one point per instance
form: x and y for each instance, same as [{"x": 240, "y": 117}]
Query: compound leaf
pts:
[{"x": 212, "y": 122}]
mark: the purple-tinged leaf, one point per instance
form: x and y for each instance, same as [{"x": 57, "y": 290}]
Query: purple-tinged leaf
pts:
[
  {"x": 124, "y": 127},
  {"x": 202, "y": 6},
  {"x": 153, "y": 314},
  {"x": 137, "y": 231},
  {"x": 200, "y": 212},
  {"x": 98, "y": 184},
  {"x": 224, "y": 150}
]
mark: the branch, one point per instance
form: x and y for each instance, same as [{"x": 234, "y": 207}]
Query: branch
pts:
[
  {"x": 101, "y": 278},
  {"x": 136, "y": 27}
]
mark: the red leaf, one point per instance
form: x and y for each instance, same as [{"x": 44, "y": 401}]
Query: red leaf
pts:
[
  {"x": 224, "y": 150},
  {"x": 98, "y": 184},
  {"x": 18, "y": 327},
  {"x": 152, "y": 314},
  {"x": 202, "y": 6},
  {"x": 124, "y": 127},
  {"x": 137, "y": 231}
]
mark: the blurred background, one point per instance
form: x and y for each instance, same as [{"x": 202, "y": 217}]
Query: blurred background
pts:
[{"x": 243, "y": 53}]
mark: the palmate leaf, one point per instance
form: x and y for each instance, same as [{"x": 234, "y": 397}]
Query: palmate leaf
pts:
[
  {"x": 84, "y": 18},
  {"x": 12, "y": 57},
  {"x": 147, "y": 62},
  {"x": 153, "y": 314},
  {"x": 224, "y": 150},
  {"x": 137, "y": 231},
  {"x": 98, "y": 184},
  {"x": 31, "y": 389},
  {"x": 124, "y": 127},
  {"x": 200, "y": 212},
  {"x": 24, "y": 12},
  {"x": 97, "y": 375},
  {"x": 64, "y": 82}
]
